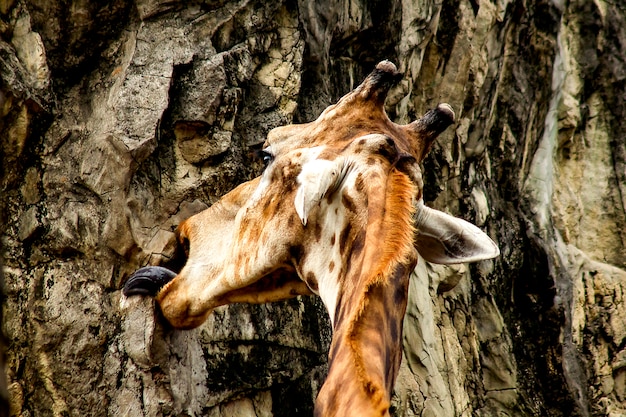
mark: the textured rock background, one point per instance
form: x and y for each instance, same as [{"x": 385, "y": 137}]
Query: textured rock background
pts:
[{"x": 120, "y": 120}]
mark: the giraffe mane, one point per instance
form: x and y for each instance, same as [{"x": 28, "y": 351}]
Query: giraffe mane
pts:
[
  {"x": 398, "y": 222},
  {"x": 399, "y": 249}
]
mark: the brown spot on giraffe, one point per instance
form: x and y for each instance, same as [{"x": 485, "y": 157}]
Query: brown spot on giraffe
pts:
[
  {"x": 317, "y": 231},
  {"x": 348, "y": 202},
  {"x": 311, "y": 281},
  {"x": 362, "y": 276},
  {"x": 343, "y": 238},
  {"x": 359, "y": 184},
  {"x": 292, "y": 220}
]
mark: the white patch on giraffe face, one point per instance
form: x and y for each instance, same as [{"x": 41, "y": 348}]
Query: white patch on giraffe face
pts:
[
  {"x": 317, "y": 179},
  {"x": 327, "y": 251}
]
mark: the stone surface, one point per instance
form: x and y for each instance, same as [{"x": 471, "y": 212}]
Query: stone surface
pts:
[{"x": 120, "y": 119}]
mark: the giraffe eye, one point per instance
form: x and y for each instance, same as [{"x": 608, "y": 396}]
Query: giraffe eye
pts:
[{"x": 265, "y": 156}]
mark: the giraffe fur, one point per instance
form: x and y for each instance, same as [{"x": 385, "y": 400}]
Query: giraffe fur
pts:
[{"x": 338, "y": 212}]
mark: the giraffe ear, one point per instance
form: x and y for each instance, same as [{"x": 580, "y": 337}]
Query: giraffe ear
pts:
[
  {"x": 317, "y": 179},
  {"x": 444, "y": 239}
]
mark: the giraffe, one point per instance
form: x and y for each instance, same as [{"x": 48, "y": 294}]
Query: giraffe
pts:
[{"x": 337, "y": 212}]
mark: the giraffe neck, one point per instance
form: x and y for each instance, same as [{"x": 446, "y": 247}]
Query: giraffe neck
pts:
[{"x": 366, "y": 349}]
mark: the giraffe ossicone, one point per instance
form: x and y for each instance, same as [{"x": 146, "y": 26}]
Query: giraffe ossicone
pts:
[{"x": 338, "y": 212}]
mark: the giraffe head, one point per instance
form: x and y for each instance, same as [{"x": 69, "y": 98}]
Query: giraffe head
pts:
[{"x": 337, "y": 212}]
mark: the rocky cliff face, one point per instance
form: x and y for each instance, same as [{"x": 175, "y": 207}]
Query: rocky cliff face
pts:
[{"x": 121, "y": 120}]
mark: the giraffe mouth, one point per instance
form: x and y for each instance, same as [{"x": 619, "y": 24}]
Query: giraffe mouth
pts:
[{"x": 283, "y": 282}]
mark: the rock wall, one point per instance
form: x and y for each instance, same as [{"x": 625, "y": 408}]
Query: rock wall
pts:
[
  {"x": 119, "y": 120},
  {"x": 4, "y": 394}
]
